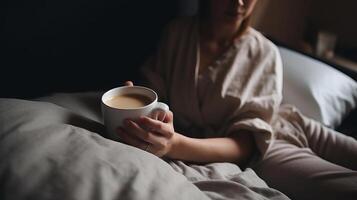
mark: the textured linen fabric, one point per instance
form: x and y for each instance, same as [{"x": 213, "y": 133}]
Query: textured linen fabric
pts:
[
  {"x": 307, "y": 85},
  {"x": 245, "y": 90},
  {"x": 242, "y": 90},
  {"x": 57, "y": 149},
  {"x": 318, "y": 164},
  {"x": 50, "y": 152}
]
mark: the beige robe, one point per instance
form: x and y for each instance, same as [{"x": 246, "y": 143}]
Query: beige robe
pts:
[{"x": 242, "y": 90}]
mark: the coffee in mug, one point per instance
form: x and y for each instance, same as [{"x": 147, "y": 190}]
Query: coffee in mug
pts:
[{"x": 128, "y": 102}]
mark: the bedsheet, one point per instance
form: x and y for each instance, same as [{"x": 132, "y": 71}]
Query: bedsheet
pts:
[{"x": 55, "y": 147}]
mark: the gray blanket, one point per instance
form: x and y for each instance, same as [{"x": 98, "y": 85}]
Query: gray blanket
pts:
[{"x": 55, "y": 148}]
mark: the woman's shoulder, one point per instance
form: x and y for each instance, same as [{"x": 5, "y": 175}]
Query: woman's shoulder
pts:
[{"x": 258, "y": 41}]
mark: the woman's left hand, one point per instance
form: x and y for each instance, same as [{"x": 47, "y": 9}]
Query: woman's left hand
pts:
[{"x": 152, "y": 135}]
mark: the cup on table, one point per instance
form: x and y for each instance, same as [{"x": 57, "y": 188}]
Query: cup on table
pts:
[
  {"x": 128, "y": 102},
  {"x": 325, "y": 45}
]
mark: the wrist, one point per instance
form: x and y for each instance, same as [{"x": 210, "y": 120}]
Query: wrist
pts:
[{"x": 177, "y": 142}]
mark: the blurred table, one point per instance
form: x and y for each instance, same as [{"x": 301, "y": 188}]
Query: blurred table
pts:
[{"x": 344, "y": 62}]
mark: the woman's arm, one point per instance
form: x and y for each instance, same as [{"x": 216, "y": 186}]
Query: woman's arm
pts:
[
  {"x": 237, "y": 149},
  {"x": 159, "y": 137}
]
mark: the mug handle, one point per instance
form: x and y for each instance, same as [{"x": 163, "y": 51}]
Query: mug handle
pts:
[{"x": 160, "y": 107}]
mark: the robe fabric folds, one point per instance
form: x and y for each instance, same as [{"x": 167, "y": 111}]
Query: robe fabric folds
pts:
[{"x": 240, "y": 91}]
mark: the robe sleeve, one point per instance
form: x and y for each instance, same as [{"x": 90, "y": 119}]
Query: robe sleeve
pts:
[
  {"x": 157, "y": 69},
  {"x": 261, "y": 98}
]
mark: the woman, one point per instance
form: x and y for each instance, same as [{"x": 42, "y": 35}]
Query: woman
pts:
[{"x": 223, "y": 81}]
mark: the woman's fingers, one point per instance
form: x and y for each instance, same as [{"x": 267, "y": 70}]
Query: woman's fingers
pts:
[
  {"x": 129, "y": 83},
  {"x": 158, "y": 115},
  {"x": 128, "y": 139},
  {"x": 168, "y": 117},
  {"x": 136, "y": 130},
  {"x": 147, "y": 136},
  {"x": 155, "y": 126},
  {"x": 161, "y": 116}
]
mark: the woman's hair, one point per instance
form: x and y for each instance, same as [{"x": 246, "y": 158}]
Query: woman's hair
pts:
[{"x": 204, "y": 12}]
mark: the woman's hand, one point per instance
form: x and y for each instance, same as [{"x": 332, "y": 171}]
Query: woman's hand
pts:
[{"x": 152, "y": 135}]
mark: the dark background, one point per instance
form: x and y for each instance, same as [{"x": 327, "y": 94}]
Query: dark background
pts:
[
  {"x": 83, "y": 45},
  {"x": 77, "y": 45}
]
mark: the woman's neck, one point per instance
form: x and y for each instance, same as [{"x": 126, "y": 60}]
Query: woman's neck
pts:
[{"x": 220, "y": 33}]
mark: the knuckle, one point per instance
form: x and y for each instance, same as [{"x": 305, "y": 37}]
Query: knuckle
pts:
[
  {"x": 170, "y": 134},
  {"x": 160, "y": 126},
  {"x": 170, "y": 114},
  {"x": 162, "y": 144},
  {"x": 146, "y": 136}
]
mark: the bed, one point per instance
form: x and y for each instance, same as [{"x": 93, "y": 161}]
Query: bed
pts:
[
  {"x": 52, "y": 140},
  {"x": 55, "y": 146}
]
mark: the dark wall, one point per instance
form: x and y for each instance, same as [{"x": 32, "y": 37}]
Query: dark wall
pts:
[
  {"x": 76, "y": 45},
  {"x": 341, "y": 23}
]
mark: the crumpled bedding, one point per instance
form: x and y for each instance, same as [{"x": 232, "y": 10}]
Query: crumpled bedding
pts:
[{"x": 55, "y": 147}]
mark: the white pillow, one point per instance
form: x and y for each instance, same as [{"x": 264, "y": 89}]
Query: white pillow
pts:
[{"x": 317, "y": 89}]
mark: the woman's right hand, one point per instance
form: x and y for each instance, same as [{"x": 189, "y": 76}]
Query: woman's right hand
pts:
[{"x": 158, "y": 137}]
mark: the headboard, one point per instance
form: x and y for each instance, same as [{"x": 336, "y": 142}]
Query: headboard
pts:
[{"x": 71, "y": 45}]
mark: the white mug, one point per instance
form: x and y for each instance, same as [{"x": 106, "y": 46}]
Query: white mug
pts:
[{"x": 113, "y": 117}]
